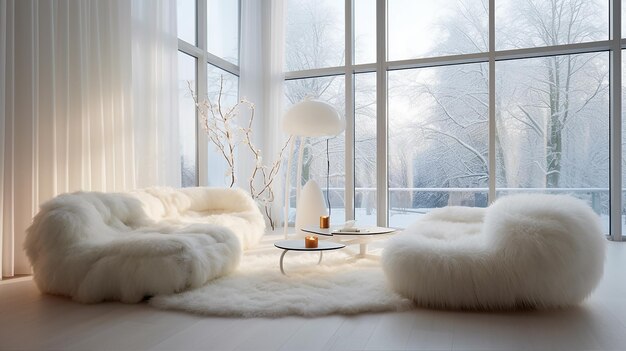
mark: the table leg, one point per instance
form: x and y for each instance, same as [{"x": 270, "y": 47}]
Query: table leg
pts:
[
  {"x": 281, "y": 262},
  {"x": 282, "y": 256},
  {"x": 362, "y": 249}
]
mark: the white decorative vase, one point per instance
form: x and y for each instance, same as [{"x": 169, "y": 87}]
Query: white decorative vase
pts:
[{"x": 310, "y": 206}]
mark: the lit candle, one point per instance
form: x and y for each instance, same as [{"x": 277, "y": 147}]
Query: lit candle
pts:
[
  {"x": 324, "y": 222},
  {"x": 310, "y": 242}
]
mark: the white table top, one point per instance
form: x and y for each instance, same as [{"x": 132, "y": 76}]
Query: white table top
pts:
[
  {"x": 298, "y": 245},
  {"x": 335, "y": 230}
]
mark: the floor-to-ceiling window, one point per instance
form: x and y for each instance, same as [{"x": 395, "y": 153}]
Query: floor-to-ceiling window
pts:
[
  {"x": 208, "y": 59},
  {"x": 315, "y": 41},
  {"x": 467, "y": 100}
]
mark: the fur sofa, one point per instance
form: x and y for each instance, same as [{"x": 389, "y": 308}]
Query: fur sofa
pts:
[
  {"x": 95, "y": 246},
  {"x": 524, "y": 251}
]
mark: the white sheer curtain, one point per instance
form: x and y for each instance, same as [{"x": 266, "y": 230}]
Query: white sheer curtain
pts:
[
  {"x": 251, "y": 75},
  {"x": 261, "y": 82},
  {"x": 155, "y": 92},
  {"x": 87, "y": 102},
  {"x": 262, "y": 76}
]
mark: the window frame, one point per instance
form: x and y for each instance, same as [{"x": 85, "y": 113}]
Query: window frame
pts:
[
  {"x": 204, "y": 58},
  {"x": 382, "y": 66}
]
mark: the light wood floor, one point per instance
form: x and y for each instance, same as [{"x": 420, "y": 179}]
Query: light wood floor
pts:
[{"x": 31, "y": 321}]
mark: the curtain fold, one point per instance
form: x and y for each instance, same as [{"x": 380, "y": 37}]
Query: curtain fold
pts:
[
  {"x": 154, "y": 87},
  {"x": 87, "y": 102},
  {"x": 272, "y": 52},
  {"x": 251, "y": 70},
  {"x": 3, "y": 126}
]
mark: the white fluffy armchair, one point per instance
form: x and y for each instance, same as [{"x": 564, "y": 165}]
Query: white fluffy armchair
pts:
[
  {"x": 524, "y": 251},
  {"x": 124, "y": 246}
]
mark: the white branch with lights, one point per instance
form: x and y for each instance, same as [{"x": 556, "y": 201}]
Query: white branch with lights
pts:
[{"x": 224, "y": 132}]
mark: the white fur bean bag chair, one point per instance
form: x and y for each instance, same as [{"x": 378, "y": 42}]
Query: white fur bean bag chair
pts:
[
  {"x": 524, "y": 251},
  {"x": 124, "y": 246}
]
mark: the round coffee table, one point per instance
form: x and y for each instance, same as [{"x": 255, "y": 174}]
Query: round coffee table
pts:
[
  {"x": 298, "y": 245},
  {"x": 364, "y": 236}
]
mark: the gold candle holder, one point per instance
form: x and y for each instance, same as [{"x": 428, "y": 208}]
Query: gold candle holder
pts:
[
  {"x": 310, "y": 242},
  {"x": 324, "y": 222}
]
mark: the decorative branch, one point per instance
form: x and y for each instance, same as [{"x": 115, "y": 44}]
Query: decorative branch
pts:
[{"x": 226, "y": 135}]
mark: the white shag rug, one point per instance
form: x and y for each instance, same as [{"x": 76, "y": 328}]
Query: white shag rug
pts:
[{"x": 258, "y": 289}]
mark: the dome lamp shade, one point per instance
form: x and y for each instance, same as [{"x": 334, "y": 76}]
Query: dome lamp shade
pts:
[{"x": 313, "y": 118}]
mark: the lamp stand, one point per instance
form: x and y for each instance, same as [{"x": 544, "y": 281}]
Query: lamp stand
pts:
[
  {"x": 328, "y": 179},
  {"x": 287, "y": 186}
]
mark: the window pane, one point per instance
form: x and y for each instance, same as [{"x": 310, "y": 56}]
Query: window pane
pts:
[
  {"x": 553, "y": 127},
  {"x": 536, "y": 23},
  {"x": 436, "y": 28},
  {"x": 438, "y": 139},
  {"x": 186, "y": 20},
  {"x": 187, "y": 119},
  {"x": 332, "y": 91},
  {"x": 364, "y": 31},
  {"x": 218, "y": 174},
  {"x": 314, "y": 34},
  {"x": 223, "y": 29},
  {"x": 365, "y": 148}
]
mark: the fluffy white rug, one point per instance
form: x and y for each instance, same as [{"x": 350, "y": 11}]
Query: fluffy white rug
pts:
[{"x": 258, "y": 289}]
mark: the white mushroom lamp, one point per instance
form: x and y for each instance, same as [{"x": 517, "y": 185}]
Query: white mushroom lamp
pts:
[{"x": 308, "y": 118}]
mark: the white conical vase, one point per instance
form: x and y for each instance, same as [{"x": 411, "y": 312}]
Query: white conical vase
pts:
[{"x": 310, "y": 206}]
